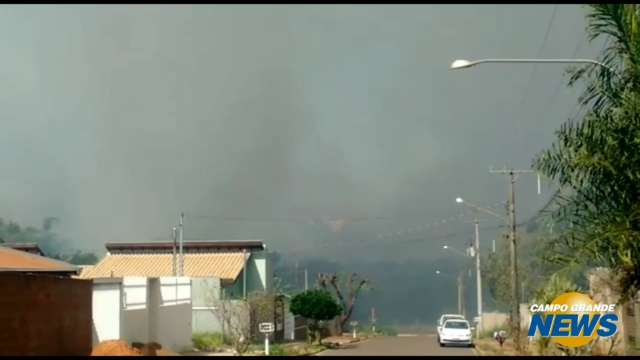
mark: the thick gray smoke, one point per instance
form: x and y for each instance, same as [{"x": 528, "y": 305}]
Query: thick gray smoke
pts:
[{"x": 116, "y": 118}]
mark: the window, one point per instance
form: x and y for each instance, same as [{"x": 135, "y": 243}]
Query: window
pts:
[{"x": 456, "y": 325}]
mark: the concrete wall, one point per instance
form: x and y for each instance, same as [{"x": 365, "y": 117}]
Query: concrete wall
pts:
[
  {"x": 174, "y": 326},
  {"x": 135, "y": 292},
  {"x": 134, "y": 325},
  {"x": 175, "y": 290},
  {"x": 492, "y": 320},
  {"x": 107, "y": 302},
  {"x": 203, "y": 319},
  {"x": 260, "y": 272},
  {"x": 259, "y": 276},
  {"x": 134, "y": 315},
  {"x": 44, "y": 315},
  {"x": 154, "y": 309}
]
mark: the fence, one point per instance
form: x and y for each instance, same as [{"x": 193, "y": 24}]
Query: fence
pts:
[{"x": 44, "y": 315}]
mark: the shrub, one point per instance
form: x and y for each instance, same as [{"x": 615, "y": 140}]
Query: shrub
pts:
[
  {"x": 277, "y": 350},
  {"x": 317, "y": 306},
  {"x": 208, "y": 341}
]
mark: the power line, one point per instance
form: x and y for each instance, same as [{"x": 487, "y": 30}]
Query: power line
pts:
[
  {"x": 560, "y": 84},
  {"x": 429, "y": 226},
  {"x": 535, "y": 67}
]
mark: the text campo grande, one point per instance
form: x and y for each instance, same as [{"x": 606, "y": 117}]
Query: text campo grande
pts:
[{"x": 574, "y": 308}]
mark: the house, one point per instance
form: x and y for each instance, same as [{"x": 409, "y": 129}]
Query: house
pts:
[
  {"x": 32, "y": 248},
  {"x": 216, "y": 269},
  {"x": 48, "y": 312},
  {"x": 13, "y": 260}
]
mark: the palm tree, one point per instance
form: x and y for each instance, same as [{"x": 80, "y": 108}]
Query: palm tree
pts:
[
  {"x": 618, "y": 24},
  {"x": 596, "y": 160}
]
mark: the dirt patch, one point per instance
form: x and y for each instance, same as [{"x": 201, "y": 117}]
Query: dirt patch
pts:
[
  {"x": 114, "y": 348},
  {"x": 121, "y": 348},
  {"x": 339, "y": 341}
]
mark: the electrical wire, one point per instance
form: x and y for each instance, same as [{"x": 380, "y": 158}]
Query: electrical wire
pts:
[{"x": 525, "y": 94}]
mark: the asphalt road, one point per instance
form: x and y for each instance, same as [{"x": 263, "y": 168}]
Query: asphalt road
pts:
[{"x": 399, "y": 345}]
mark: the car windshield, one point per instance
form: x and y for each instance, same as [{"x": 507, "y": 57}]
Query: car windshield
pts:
[
  {"x": 456, "y": 325},
  {"x": 451, "y": 317}
]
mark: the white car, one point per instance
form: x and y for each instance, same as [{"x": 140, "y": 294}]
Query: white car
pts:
[
  {"x": 456, "y": 331},
  {"x": 446, "y": 317}
]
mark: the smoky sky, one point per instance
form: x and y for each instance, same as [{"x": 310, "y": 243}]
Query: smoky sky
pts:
[{"x": 116, "y": 118}]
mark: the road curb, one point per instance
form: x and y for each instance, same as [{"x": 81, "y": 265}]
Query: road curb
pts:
[{"x": 355, "y": 342}]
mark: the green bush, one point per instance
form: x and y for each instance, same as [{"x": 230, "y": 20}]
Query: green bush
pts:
[
  {"x": 208, "y": 341},
  {"x": 277, "y": 350},
  {"x": 315, "y": 305},
  {"x": 294, "y": 349}
]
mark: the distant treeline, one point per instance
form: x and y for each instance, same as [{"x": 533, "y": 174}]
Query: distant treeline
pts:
[
  {"x": 404, "y": 294},
  {"x": 47, "y": 240}
]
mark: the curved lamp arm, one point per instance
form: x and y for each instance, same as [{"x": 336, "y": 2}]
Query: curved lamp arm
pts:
[
  {"x": 461, "y": 63},
  {"x": 480, "y": 208}
]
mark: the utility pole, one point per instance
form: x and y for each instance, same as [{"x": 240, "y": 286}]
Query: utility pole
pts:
[
  {"x": 175, "y": 264},
  {"x": 373, "y": 320},
  {"x": 515, "y": 303},
  {"x": 461, "y": 294},
  {"x": 181, "y": 240},
  {"x": 478, "y": 275},
  {"x": 306, "y": 280}
]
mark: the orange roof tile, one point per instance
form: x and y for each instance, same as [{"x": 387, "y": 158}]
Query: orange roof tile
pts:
[
  {"x": 223, "y": 265},
  {"x": 16, "y": 260}
]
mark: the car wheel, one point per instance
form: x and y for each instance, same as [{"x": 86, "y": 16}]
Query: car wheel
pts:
[{"x": 441, "y": 344}]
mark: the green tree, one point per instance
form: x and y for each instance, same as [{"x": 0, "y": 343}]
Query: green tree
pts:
[
  {"x": 315, "y": 305},
  {"x": 346, "y": 288},
  {"x": 596, "y": 160}
]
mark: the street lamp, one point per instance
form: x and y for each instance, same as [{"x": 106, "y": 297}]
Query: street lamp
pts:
[
  {"x": 462, "y": 63},
  {"x": 447, "y": 247},
  {"x": 459, "y": 200},
  {"x": 461, "y": 306}
]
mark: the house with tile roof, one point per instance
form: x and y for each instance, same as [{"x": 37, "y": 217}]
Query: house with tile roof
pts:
[
  {"x": 230, "y": 269},
  {"x": 20, "y": 261},
  {"x": 32, "y": 248},
  {"x": 45, "y": 311}
]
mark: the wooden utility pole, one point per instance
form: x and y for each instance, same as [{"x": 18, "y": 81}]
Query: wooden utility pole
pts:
[
  {"x": 461, "y": 306},
  {"x": 515, "y": 299}
]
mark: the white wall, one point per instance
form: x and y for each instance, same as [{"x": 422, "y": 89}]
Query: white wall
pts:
[
  {"x": 135, "y": 317},
  {"x": 106, "y": 304},
  {"x": 174, "y": 326},
  {"x": 144, "y": 310},
  {"x": 175, "y": 290},
  {"x": 135, "y": 292},
  {"x": 134, "y": 325},
  {"x": 289, "y": 323},
  {"x": 203, "y": 319}
]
